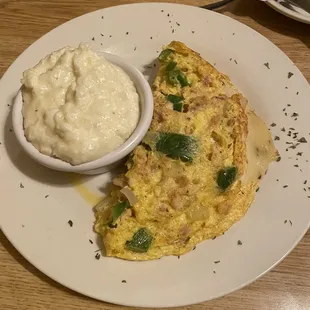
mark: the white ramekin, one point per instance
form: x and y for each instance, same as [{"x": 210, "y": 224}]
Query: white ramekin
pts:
[{"x": 110, "y": 160}]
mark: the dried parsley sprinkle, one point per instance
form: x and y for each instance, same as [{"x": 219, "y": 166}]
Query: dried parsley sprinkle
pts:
[
  {"x": 285, "y": 186},
  {"x": 283, "y": 129},
  {"x": 214, "y": 271},
  {"x": 127, "y": 33},
  {"x": 297, "y": 93},
  {"x": 295, "y": 114},
  {"x": 291, "y": 222},
  {"x": 285, "y": 221},
  {"x": 266, "y": 64},
  {"x": 178, "y": 256},
  {"x": 213, "y": 238},
  {"x": 277, "y": 138},
  {"x": 296, "y": 166},
  {"x": 239, "y": 242},
  {"x": 46, "y": 196},
  {"x": 286, "y": 87},
  {"x": 178, "y": 24},
  {"x": 257, "y": 189},
  {"x": 124, "y": 281},
  {"x": 21, "y": 185},
  {"x": 193, "y": 31},
  {"x": 302, "y": 140},
  {"x": 97, "y": 256},
  {"x": 217, "y": 261},
  {"x": 235, "y": 61},
  {"x": 289, "y": 75},
  {"x": 70, "y": 223},
  {"x": 90, "y": 241},
  {"x": 194, "y": 248},
  {"x": 273, "y": 125},
  {"x": 93, "y": 38}
]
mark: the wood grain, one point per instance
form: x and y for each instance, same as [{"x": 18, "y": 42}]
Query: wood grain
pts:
[{"x": 23, "y": 287}]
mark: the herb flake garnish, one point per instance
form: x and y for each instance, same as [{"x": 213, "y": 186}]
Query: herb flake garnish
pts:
[
  {"x": 21, "y": 185},
  {"x": 70, "y": 223},
  {"x": 124, "y": 281},
  {"x": 239, "y": 242},
  {"x": 90, "y": 241},
  {"x": 266, "y": 64},
  {"x": 289, "y": 75},
  {"x": 97, "y": 256},
  {"x": 217, "y": 261}
]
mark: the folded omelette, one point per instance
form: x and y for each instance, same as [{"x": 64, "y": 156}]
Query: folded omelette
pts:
[{"x": 197, "y": 170}]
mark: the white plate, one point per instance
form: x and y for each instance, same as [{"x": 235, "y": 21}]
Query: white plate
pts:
[
  {"x": 294, "y": 13},
  {"x": 37, "y": 226}
]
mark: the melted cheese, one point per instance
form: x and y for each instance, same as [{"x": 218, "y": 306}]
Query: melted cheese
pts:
[{"x": 260, "y": 148}]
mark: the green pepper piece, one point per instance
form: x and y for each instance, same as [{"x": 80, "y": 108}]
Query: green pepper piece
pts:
[
  {"x": 178, "y": 106},
  {"x": 182, "y": 79},
  {"x": 226, "y": 177},
  {"x": 171, "y": 65},
  {"x": 164, "y": 54},
  {"x": 174, "y": 99},
  {"x": 140, "y": 242},
  {"x": 118, "y": 210},
  {"x": 173, "y": 76},
  {"x": 177, "y": 146}
]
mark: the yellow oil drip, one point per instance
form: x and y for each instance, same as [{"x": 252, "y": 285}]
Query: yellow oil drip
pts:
[{"x": 88, "y": 196}]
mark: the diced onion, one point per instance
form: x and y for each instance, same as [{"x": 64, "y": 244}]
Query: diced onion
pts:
[
  {"x": 128, "y": 193},
  {"x": 198, "y": 213}
]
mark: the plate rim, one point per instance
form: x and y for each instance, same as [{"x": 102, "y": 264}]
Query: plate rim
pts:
[{"x": 158, "y": 305}]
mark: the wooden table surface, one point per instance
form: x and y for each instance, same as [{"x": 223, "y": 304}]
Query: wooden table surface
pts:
[{"x": 287, "y": 287}]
